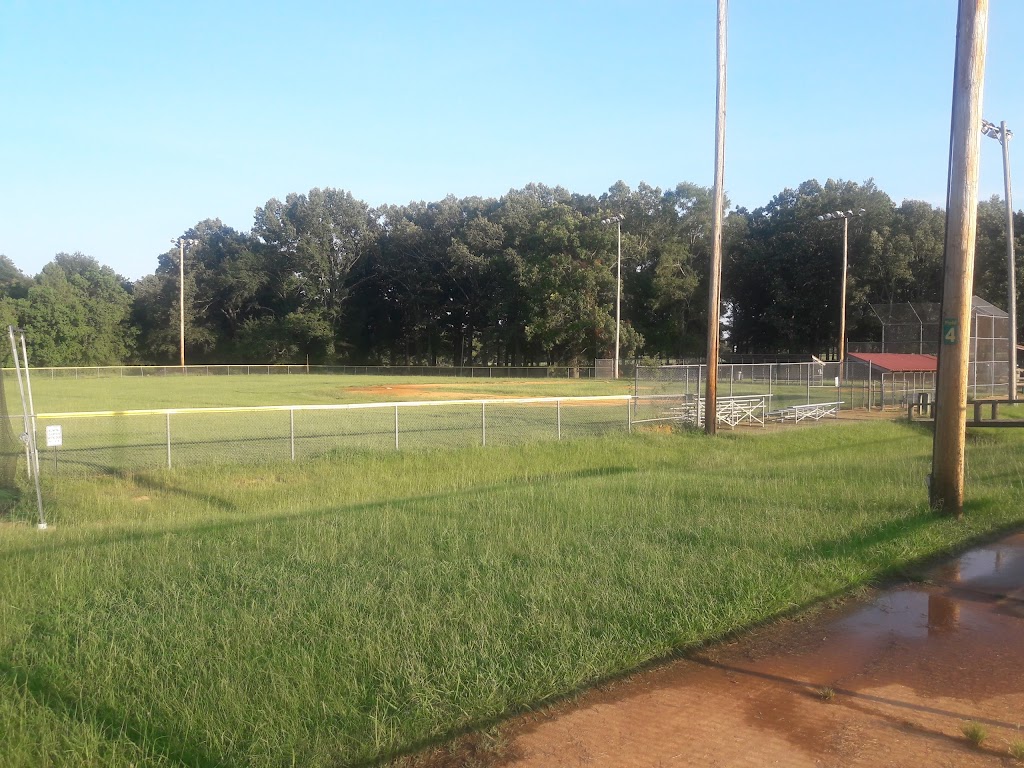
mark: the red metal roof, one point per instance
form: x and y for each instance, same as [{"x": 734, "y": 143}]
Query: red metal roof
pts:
[{"x": 892, "y": 362}]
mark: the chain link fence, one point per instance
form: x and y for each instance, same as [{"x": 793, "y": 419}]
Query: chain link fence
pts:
[
  {"x": 855, "y": 383},
  {"x": 133, "y": 440},
  {"x": 469, "y": 371}
]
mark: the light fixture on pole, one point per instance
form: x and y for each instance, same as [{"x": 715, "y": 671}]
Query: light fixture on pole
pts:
[
  {"x": 617, "y": 221},
  {"x": 1002, "y": 134},
  {"x": 181, "y": 242},
  {"x": 845, "y": 216}
]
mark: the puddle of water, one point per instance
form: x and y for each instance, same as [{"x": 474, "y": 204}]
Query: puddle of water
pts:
[
  {"x": 995, "y": 569},
  {"x": 909, "y": 621},
  {"x": 902, "y": 613},
  {"x": 910, "y": 614}
]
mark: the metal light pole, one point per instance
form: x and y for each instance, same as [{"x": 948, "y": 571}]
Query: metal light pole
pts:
[
  {"x": 617, "y": 221},
  {"x": 1003, "y": 135},
  {"x": 845, "y": 216},
  {"x": 181, "y": 242}
]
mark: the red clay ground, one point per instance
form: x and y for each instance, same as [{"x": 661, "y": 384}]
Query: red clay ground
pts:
[
  {"x": 419, "y": 388},
  {"x": 414, "y": 392},
  {"x": 887, "y": 680}
]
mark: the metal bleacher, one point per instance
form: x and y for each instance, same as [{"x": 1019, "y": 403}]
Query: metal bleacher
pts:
[
  {"x": 813, "y": 411},
  {"x": 733, "y": 411}
]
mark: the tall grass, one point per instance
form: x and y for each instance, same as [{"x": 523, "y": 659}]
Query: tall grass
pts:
[{"x": 342, "y": 611}]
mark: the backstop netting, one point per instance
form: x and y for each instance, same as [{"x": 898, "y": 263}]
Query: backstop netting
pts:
[{"x": 908, "y": 328}]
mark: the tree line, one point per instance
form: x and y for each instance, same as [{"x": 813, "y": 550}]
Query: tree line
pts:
[{"x": 527, "y": 278}]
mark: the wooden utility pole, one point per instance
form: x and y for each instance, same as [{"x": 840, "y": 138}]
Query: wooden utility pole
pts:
[
  {"x": 715, "y": 290},
  {"x": 947, "y": 478}
]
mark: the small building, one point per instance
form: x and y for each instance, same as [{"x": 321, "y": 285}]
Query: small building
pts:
[{"x": 899, "y": 377}]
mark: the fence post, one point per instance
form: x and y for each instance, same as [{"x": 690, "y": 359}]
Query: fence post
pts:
[
  {"x": 396, "y": 427},
  {"x": 168, "y": 441},
  {"x": 807, "y": 368},
  {"x": 291, "y": 429},
  {"x": 629, "y": 417},
  {"x": 483, "y": 424},
  {"x": 558, "y": 417}
]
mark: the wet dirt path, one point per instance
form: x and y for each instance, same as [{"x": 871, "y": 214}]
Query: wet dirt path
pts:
[{"x": 890, "y": 681}]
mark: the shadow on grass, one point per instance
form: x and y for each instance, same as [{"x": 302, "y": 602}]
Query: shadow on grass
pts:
[
  {"x": 109, "y": 721},
  {"x": 153, "y": 484},
  {"x": 102, "y": 540},
  {"x": 855, "y": 542}
]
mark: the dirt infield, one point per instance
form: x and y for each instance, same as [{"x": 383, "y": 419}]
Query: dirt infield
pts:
[
  {"x": 414, "y": 392},
  {"x": 896, "y": 678}
]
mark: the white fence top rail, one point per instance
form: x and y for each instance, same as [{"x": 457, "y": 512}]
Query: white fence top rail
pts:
[{"x": 331, "y": 407}]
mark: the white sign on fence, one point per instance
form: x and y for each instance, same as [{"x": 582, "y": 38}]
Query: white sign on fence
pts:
[{"x": 54, "y": 436}]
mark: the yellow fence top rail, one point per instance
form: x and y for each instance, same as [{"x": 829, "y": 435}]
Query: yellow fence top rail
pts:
[{"x": 332, "y": 407}]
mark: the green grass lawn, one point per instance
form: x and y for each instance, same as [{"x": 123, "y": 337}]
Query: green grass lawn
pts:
[
  {"x": 132, "y": 442},
  {"x": 151, "y": 392},
  {"x": 346, "y": 609},
  {"x": 119, "y": 442},
  {"x": 64, "y": 394}
]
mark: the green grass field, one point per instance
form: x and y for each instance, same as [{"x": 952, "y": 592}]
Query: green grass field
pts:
[
  {"x": 129, "y": 443},
  {"x": 154, "y": 392},
  {"x": 136, "y": 393},
  {"x": 352, "y": 607},
  {"x": 134, "y": 442}
]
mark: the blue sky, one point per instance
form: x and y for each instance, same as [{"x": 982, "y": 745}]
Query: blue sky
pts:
[{"x": 126, "y": 122}]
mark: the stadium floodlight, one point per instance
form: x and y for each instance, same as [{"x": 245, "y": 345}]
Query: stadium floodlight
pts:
[
  {"x": 181, "y": 242},
  {"x": 845, "y": 216},
  {"x": 617, "y": 221},
  {"x": 994, "y": 131},
  {"x": 1002, "y": 134}
]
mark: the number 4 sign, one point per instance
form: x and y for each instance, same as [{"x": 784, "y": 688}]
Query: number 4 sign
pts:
[{"x": 949, "y": 330}]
